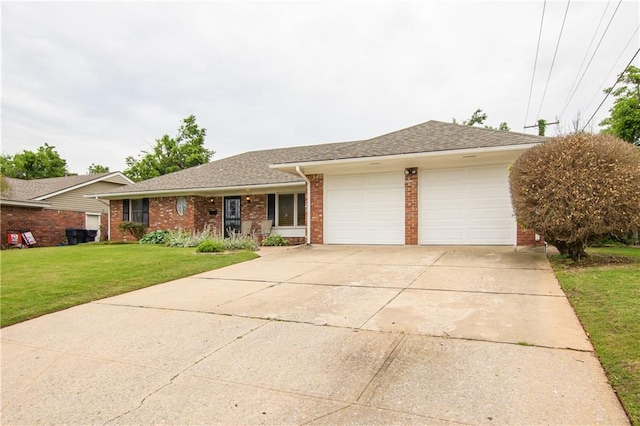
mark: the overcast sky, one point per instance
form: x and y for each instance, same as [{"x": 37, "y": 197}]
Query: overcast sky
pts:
[{"x": 102, "y": 81}]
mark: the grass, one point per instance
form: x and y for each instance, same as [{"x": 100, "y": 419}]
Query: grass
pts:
[
  {"x": 44, "y": 280},
  {"x": 605, "y": 293}
]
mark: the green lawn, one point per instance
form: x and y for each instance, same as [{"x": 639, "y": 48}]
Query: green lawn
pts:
[
  {"x": 606, "y": 298},
  {"x": 43, "y": 280}
]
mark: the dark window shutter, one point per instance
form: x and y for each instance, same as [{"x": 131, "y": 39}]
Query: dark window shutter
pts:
[
  {"x": 125, "y": 210},
  {"x": 271, "y": 207}
]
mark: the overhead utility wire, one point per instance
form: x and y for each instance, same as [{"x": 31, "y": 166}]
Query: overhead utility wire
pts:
[
  {"x": 554, "y": 58},
  {"x": 599, "y": 90},
  {"x": 592, "y": 56},
  {"x": 535, "y": 62},
  {"x": 595, "y": 33},
  {"x": 609, "y": 91}
]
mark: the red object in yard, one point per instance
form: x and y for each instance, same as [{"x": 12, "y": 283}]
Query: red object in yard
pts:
[{"x": 14, "y": 239}]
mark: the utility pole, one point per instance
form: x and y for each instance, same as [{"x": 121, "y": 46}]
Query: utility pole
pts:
[{"x": 541, "y": 125}]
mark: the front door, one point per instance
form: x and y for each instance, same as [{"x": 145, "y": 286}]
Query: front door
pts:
[{"x": 232, "y": 218}]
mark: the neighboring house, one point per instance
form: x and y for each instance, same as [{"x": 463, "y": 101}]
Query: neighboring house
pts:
[
  {"x": 434, "y": 183},
  {"x": 47, "y": 207}
]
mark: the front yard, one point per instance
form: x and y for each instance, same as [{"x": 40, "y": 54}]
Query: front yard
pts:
[
  {"x": 44, "y": 280},
  {"x": 605, "y": 293}
]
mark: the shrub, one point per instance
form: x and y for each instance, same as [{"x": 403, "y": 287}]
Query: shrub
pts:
[
  {"x": 210, "y": 246},
  {"x": 576, "y": 189},
  {"x": 154, "y": 237},
  {"x": 274, "y": 240},
  {"x": 136, "y": 229},
  {"x": 180, "y": 238}
]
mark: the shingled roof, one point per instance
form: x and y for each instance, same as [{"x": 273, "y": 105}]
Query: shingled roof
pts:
[
  {"x": 432, "y": 136},
  {"x": 252, "y": 168},
  {"x": 39, "y": 189}
]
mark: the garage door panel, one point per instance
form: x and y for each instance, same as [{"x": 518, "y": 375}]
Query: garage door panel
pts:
[
  {"x": 466, "y": 206},
  {"x": 364, "y": 209}
]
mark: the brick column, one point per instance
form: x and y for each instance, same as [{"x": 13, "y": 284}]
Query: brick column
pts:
[
  {"x": 317, "y": 208},
  {"x": 411, "y": 208}
]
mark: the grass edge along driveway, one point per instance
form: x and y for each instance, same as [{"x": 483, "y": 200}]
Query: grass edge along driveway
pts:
[
  {"x": 606, "y": 298},
  {"x": 39, "y": 281}
]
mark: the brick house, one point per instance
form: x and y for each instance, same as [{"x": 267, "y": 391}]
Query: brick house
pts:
[
  {"x": 433, "y": 183},
  {"x": 47, "y": 207}
]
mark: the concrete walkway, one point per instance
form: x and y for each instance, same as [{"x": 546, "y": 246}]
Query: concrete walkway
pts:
[{"x": 319, "y": 335}]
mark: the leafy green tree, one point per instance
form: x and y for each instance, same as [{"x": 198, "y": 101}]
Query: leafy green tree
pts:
[
  {"x": 171, "y": 154},
  {"x": 479, "y": 117},
  {"x": 624, "y": 121},
  {"x": 97, "y": 168},
  {"x": 44, "y": 163}
]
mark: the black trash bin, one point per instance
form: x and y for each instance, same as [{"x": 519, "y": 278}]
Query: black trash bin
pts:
[
  {"x": 91, "y": 235},
  {"x": 81, "y": 235},
  {"x": 72, "y": 236}
]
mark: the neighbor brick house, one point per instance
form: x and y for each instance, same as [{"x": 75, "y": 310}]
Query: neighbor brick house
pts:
[
  {"x": 46, "y": 207},
  {"x": 433, "y": 183}
]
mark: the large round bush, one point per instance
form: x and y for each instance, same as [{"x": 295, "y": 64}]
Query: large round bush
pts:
[{"x": 576, "y": 188}]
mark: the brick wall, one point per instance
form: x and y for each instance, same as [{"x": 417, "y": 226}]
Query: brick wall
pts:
[
  {"x": 317, "y": 208},
  {"x": 527, "y": 237},
  {"x": 411, "y": 208},
  {"x": 47, "y": 226},
  {"x": 254, "y": 210}
]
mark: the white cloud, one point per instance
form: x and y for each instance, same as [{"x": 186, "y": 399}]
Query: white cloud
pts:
[{"x": 102, "y": 81}]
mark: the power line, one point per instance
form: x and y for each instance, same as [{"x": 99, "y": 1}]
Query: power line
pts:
[
  {"x": 612, "y": 68},
  {"x": 535, "y": 62},
  {"x": 570, "y": 95},
  {"x": 609, "y": 91},
  {"x": 544, "y": 94},
  {"x": 592, "y": 56}
]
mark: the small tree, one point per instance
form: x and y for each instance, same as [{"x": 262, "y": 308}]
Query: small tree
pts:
[
  {"x": 576, "y": 188},
  {"x": 97, "y": 168},
  {"x": 44, "y": 163}
]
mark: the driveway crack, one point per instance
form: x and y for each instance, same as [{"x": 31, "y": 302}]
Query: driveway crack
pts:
[{"x": 178, "y": 374}]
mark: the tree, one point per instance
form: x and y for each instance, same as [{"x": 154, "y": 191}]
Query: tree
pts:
[
  {"x": 171, "y": 154},
  {"x": 577, "y": 188},
  {"x": 44, "y": 163},
  {"x": 479, "y": 117},
  {"x": 97, "y": 168},
  {"x": 624, "y": 121}
]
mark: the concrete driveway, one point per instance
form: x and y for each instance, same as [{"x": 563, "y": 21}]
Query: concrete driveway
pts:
[{"x": 319, "y": 335}]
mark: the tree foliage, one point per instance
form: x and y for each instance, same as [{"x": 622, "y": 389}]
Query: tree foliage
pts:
[
  {"x": 44, "y": 163},
  {"x": 577, "y": 188},
  {"x": 479, "y": 117},
  {"x": 171, "y": 154},
  {"x": 97, "y": 168},
  {"x": 624, "y": 121}
]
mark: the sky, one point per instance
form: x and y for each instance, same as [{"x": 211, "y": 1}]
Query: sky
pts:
[{"x": 102, "y": 81}]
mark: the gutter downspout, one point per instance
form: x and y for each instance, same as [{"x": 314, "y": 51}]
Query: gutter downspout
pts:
[{"x": 308, "y": 197}]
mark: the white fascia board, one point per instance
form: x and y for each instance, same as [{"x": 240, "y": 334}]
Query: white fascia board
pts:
[
  {"x": 196, "y": 191},
  {"x": 80, "y": 185},
  {"x": 416, "y": 155},
  {"x": 15, "y": 203}
]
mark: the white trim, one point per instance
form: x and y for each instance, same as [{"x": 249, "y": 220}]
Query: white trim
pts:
[
  {"x": 469, "y": 151},
  {"x": 14, "y": 203},
  {"x": 207, "y": 192},
  {"x": 308, "y": 201},
  {"x": 80, "y": 185}
]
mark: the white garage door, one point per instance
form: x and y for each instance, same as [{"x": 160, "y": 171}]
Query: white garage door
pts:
[
  {"x": 364, "y": 209},
  {"x": 466, "y": 206}
]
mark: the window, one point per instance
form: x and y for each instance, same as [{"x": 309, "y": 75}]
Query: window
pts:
[
  {"x": 136, "y": 210},
  {"x": 286, "y": 209}
]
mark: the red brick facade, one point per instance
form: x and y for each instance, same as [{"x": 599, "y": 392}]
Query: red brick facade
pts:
[
  {"x": 317, "y": 208},
  {"x": 47, "y": 225},
  {"x": 527, "y": 237},
  {"x": 411, "y": 208}
]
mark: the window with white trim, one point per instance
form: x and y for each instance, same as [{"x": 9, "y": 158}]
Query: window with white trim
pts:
[{"x": 286, "y": 209}]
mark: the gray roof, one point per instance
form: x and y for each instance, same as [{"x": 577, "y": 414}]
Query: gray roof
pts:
[
  {"x": 252, "y": 168},
  {"x": 431, "y": 136},
  {"x": 30, "y": 190},
  {"x": 248, "y": 169}
]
